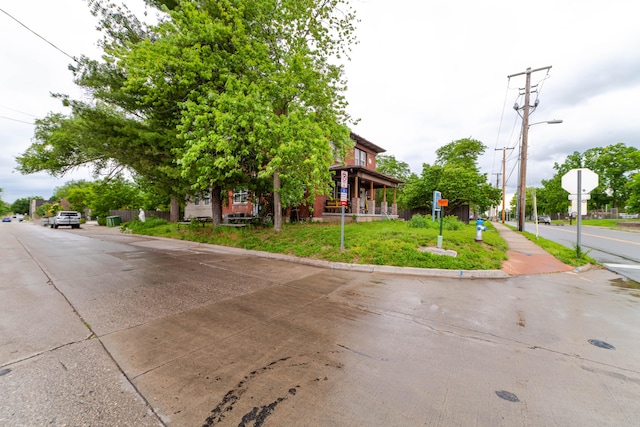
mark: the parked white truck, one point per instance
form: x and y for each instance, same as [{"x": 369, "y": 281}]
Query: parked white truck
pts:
[{"x": 69, "y": 218}]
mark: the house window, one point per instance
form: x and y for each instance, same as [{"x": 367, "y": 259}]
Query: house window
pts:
[
  {"x": 240, "y": 196},
  {"x": 197, "y": 201},
  {"x": 336, "y": 154},
  {"x": 361, "y": 157},
  {"x": 207, "y": 199}
]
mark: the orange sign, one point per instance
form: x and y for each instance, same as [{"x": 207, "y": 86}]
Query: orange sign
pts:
[{"x": 443, "y": 202}]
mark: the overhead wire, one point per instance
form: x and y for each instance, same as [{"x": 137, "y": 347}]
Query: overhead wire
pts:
[
  {"x": 38, "y": 35},
  {"x": 16, "y": 120}
]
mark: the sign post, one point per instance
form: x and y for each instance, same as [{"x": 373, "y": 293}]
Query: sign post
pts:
[
  {"x": 344, "y": 180},
  {"x": 441, "y": 203},
  {"x": 582, "y": 181}
]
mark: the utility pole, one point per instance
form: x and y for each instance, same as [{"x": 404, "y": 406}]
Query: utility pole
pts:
[
  {"x": 504, "y": 181},
  {"x": 522, "y": 190}
]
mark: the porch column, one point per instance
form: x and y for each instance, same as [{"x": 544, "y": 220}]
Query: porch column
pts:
[
  {"x": 394, "y": 206},
  {"x": 355, "y": 200},
  {"x": 383, "y": 205},
  {"x": 372, "y": 200}
]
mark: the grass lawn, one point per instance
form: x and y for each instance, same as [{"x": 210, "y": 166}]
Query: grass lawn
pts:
[{"x": 393, "y": 243}]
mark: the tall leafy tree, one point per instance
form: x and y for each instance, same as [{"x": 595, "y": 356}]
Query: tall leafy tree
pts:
[
  {"x": 456, "y": 175},
  {"x": 389, "y": 165},
  {"x": 23, "y": 204},
  {"x": 615, "y": 165},
  {"x": 633, "y": 186},
  {"x": 4, "y": 207},
  {"x": 117, "y": 129},
  {"x": 268, "y": 104}
]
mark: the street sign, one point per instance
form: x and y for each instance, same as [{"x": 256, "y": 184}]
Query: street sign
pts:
[
  {"x": 589, "y": 181},
  {"x": 443, "y": 202},
  {"x": 436, "y": 196},
  {"x": 343, "y": 197},
  {"x": 344, "y": 179}
]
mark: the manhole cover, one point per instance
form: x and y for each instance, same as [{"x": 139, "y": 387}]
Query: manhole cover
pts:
[
  {"x": 602, "y": 344},
  {"x": 507, "y": 395}
]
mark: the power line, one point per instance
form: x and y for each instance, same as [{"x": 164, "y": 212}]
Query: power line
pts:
[
  {"x": 18, "y": 111},
  {"x": 38, "y": 35},
  {"x": 16, "y": 120}
]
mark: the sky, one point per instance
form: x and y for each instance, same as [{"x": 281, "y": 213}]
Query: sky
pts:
[{"x": 424, "y": 73}]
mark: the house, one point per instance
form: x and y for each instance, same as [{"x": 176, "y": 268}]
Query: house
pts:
[{"x": 363, "y": 183}]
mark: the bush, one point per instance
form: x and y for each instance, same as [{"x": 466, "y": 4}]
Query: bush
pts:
[
  {"x": 136, "y": 225},
  {"x": 448, "y": 222}
]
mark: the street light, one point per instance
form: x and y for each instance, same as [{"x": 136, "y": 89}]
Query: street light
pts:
[{"x": 522, "y": 190}]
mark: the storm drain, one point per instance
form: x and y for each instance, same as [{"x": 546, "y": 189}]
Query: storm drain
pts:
[
  {"x": 602, "y": 344},
  {"x": 507, "y": 395}
]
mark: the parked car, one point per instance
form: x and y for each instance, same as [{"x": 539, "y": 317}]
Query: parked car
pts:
[
  {"x": 6, "y": 219},
  {"x": 545, "y": 219},
  {"x": 70, "y": 218}
]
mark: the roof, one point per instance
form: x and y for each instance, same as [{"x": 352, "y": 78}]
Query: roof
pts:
[
  {"x": 369, "y": 173},
  {"x": 366, "y": 144}
]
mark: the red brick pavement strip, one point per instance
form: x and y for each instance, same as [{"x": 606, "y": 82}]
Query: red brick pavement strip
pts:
[{"x": 525, "y": 257}]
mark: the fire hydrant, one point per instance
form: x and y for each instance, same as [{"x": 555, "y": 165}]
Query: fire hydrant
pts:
[{"x": 479, "y": 229}]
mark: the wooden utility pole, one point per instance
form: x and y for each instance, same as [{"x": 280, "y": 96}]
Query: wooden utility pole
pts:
[
  {"x": 522, "y": 188},
  {"x": 504, "y": 180}
]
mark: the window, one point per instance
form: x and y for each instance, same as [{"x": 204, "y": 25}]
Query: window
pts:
[
  {"x": 207, "y": 199},
  {"x": 197, "y": 201},
  {"x": 361, "y": 157},
  {"x": 336, "y": 154},
  {"x": 240, "y": 196}
]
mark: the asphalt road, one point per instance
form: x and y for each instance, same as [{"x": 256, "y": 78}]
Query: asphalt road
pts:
[
  {"x": 101, "y": 328},
  {"x": 618, "y": 250}
]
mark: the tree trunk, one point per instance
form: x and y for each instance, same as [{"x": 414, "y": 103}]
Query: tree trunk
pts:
[
  {"x": 174, "y": 210},
  {"x": 216, "y": 205},
  {"x": 277, "y": 204}
]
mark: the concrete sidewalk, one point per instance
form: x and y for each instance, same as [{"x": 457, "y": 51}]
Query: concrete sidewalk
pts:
[{"x": 525, "y": 257}]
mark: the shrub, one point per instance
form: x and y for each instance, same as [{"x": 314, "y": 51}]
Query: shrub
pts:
[{"x": 449, "y": 222}]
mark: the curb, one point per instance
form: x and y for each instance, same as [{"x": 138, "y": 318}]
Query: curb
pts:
[{"x": 363, "y": 268}]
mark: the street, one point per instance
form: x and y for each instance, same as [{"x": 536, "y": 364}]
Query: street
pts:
[
  {"x": 103, "y": 328},
  {"x": 618, "y": 250}
]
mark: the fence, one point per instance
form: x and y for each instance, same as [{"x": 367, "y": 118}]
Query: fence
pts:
[{"x": 128, "y": 215}]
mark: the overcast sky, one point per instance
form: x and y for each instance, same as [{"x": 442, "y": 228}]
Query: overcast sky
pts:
[{"x": 425, "y": 73}]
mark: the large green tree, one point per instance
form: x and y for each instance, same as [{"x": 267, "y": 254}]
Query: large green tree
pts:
[
  {"x": 456, "y": 175},
  {"x": 615, "y": 165},
  {"x": 633, "y": 186},
  {"x": 23, "y": 204},
  {"x": 265, "y": 102},
  {"x": 117, "y": 129}
]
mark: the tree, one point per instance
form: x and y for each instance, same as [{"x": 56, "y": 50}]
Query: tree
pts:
[
  {"x": 633, "y": 187},
  {"x": 389, "y": 165},
  {"x": 4, "y": 208},
  {"x": 22, "y": 205},
  {"x": 615, "y": 165},
  {"x": 118, "y": 129},
  {"x": 113, "y": 194},
  {"x": 264, "y": 101},
  {"x": 456, "y": 175}
]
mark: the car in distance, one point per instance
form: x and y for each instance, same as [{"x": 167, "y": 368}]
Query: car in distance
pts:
[
  {"x": 6, "y": 219},
  {"x": 69, "y": 218},
  {"x": 545, "y": 219}
]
